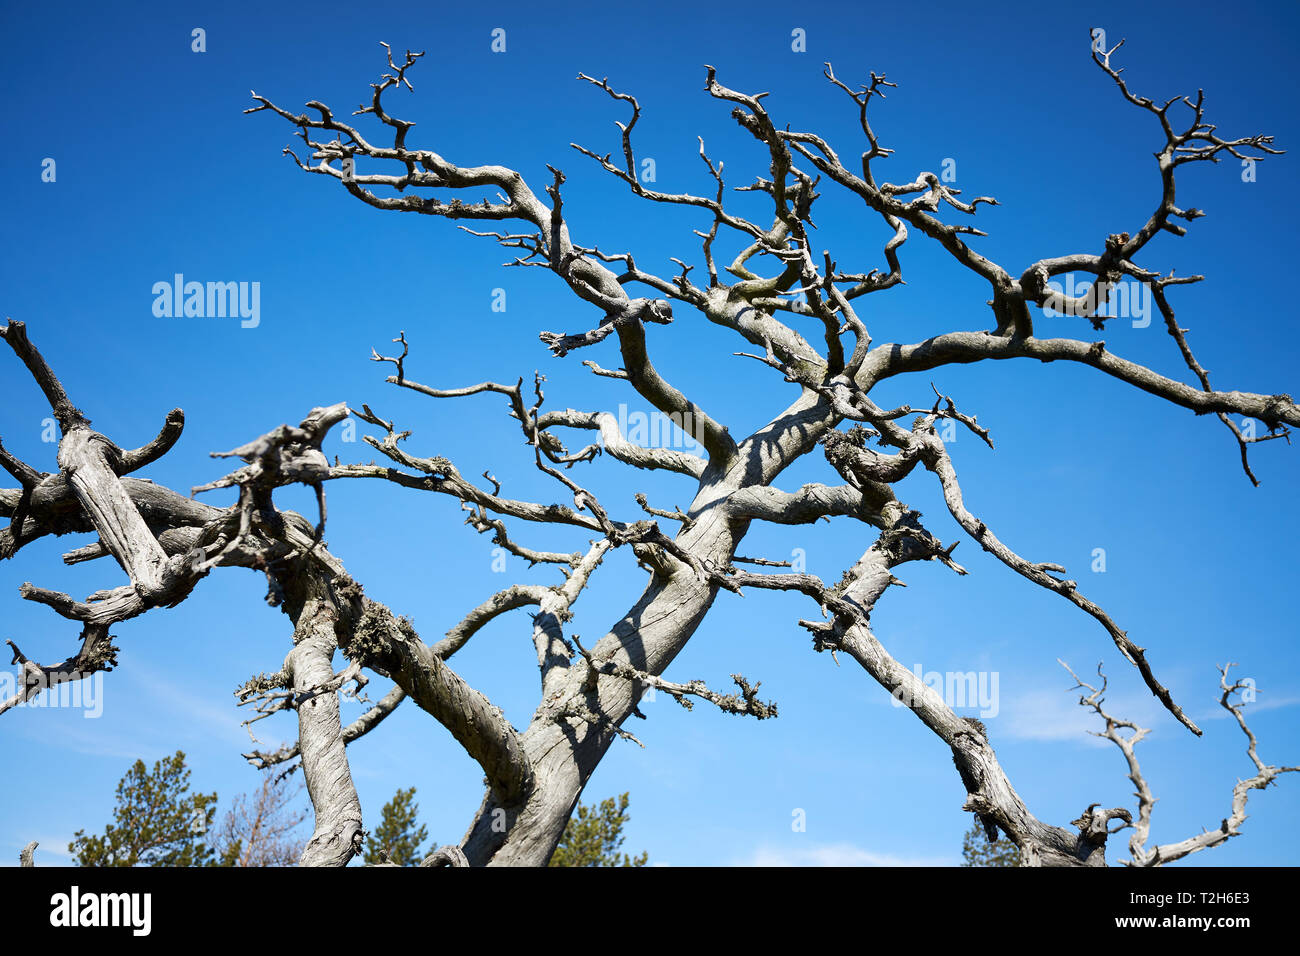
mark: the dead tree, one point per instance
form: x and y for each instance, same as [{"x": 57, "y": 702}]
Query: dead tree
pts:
[
  {"x": 1142, "y": 856},
  {"x": 168, "y": 542}
]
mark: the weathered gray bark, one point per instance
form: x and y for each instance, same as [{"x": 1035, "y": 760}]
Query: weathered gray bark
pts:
[
  {"x": 167, "y": 542},
  {"x": 583, "y": 709},
  {"x": 338, "y": 832},
  {"x": 565, "y": 751}
]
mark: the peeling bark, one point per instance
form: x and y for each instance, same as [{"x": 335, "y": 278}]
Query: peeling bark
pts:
[
  {"x": 167, "y": 543},
  {"x": 338, "y": 832}
]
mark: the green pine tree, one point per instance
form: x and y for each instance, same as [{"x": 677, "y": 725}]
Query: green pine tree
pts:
[
  {"x": 594, "y": 836},
  {"x": 976, "y": 850},
  {"x": 157, "y": 821},
  {"x": 397, "y": 839}
]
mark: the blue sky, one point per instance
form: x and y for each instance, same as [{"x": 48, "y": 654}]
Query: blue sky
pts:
[{"x": 159, "y": 172}]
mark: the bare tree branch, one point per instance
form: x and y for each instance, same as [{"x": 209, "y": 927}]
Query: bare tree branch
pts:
[{"x": 1230, "y": 827}]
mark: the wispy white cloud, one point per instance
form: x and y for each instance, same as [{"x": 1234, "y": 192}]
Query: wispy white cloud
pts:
[
  {"x": 1051, "y": 715},
  {"x": 1254, "y": 707},
  {"x": 198, "y": 713},
  {"x": 1046, "y": 716},
  {"x": 835, "y": 854},
  {"x": 72, "y": 737},
  {"x": 185, "y": 715}
]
